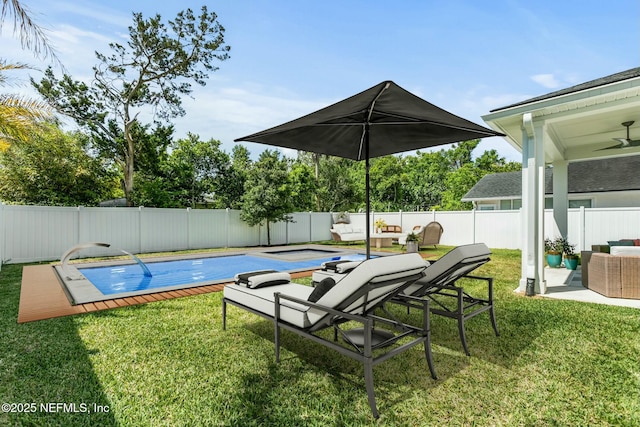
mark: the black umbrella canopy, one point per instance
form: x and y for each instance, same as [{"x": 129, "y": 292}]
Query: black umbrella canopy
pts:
[
  {"x": 382, "y": 120},
  {"x": 398, "y": 121}
]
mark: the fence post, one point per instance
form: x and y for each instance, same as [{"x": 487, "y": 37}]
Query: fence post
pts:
[
  {"x": 286, "y": 232},
  {"x": 79, "y": 226},
  {"x": 582, "y": 230},
  {"x": 227, "y": 221},
  {"x": 188, "y": 228},
  {"x": 140, "y": 238},
  {"x": 473, "y": 219}
]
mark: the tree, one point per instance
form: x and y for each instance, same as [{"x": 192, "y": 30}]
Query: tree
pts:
[
  {"x": 337, "y": 189},
  {"x": 302, "y": 187},
  {"x": 267, "y": 196},
  {"x": 194, "y": 166},
  {"x": 148, "y": 75},
  {"x": 387, "y": 179},
  {"x": 31, "y": 35},
  {"x": 19, "y": 116},
  {"x": 54, "y": 169},
  {"x": 230, "y": 185},
  {"x": 188, "y": 175}
]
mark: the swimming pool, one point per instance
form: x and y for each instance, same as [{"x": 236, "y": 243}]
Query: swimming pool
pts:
[{"x": 101, "y": 281}]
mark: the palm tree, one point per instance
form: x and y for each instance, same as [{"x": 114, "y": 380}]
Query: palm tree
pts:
[
  {"x": 19, "y": 116},
  {"x": 32, "y": 37}
]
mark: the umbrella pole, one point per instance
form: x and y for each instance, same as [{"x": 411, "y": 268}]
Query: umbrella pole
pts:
[{"x": 368, "y": 202}]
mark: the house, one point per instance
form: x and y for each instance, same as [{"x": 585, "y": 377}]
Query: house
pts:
[
  {"x": 603, "y": 183},
  {"x": 594, "y": 120}
]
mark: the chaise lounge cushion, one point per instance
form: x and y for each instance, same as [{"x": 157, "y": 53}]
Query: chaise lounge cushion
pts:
[
  {"x": 262, "y": 300},
  {"x": 466, "y": 255}
]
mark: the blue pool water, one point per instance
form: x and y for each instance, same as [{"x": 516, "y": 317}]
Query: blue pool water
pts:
[{"x": 130, "y": 278}]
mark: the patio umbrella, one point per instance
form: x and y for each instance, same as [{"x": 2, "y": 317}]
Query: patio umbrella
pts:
[{"x": 385, "y": 119}]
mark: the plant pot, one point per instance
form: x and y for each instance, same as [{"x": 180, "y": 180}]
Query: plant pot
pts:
[
  {"x": 571, "y": 263},
  {"x": 554, "y": 260},
  {"x": 412, "y": 247}
]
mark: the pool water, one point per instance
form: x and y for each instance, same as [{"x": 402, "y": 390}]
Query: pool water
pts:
[{"x": 130, "y": 278}]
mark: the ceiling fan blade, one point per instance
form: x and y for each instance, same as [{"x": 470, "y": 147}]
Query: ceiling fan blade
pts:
[
  {"x": 611, "y": 148},
  {"x": 624, "y": 142},
  {"x": 635, "y": 143}
]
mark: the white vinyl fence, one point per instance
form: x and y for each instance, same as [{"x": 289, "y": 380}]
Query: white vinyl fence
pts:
[
  {"x": 37, "y": 233},
  {"x": 504, "y": 229}
]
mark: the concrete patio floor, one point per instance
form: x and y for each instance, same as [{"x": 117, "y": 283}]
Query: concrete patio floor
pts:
[{"x": 567, "y": 284}]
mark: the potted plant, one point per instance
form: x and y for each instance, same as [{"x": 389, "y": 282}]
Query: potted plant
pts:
[
  {"x": 379, "y": 224},
  {"x": 412, "y": 243},
  {"x": 553, "y": 249},
  {"x": 570, "y": 257}
]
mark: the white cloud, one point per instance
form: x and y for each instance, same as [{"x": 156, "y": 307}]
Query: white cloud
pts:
[{"x": 546, "y": 80}]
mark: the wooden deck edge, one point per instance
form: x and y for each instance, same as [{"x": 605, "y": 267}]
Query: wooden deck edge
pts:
[{"x": 42, "y": 296}]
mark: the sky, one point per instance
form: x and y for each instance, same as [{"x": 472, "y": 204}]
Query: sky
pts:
[{"x": 289, "y": 58}]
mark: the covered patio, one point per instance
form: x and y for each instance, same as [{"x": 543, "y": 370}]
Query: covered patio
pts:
[{"x": 582, "y": 122}]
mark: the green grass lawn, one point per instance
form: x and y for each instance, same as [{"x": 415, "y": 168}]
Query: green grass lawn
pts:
[{"x": 170, "y": 363}]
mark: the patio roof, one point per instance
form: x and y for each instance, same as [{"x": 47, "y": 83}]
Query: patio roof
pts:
[
  {"x": 580, "y": 120},
  {"x": 573, "y": 124}
]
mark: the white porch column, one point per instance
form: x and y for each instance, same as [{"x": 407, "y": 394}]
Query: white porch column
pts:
[
  {"x": 532, "y": 204},
  {"x": 561, "y": 196}
]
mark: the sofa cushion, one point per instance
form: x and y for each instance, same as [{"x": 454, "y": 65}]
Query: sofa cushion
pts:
[
  {"x": 623, "y": 242},
  {"x": 625, "y": 250}
]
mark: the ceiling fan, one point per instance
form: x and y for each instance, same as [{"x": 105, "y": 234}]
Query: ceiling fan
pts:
[{"x": 625, "y": 142}]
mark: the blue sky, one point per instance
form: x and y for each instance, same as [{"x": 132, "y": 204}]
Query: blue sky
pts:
[{"x": 289, "y": 58}]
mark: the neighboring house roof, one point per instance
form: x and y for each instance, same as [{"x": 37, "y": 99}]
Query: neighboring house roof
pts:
[
  {"x": 624, "y": 75},
  {"x": 113, "y": 203},
  {"x": 593, "y": 176}
]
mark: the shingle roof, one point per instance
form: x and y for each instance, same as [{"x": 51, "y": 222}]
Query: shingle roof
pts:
[
  {"x": 624, "y": 75},
  {"x": 593, "y": 176}
]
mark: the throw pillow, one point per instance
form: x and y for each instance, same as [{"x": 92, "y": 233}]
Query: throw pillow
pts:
[{"x": 323, "y": 287}]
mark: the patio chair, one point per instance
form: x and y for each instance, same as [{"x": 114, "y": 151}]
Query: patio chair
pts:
[
  {"x": 439, "y": 286},
  {"x": 306, "y": 311},
  {"x": 428, "y": 235},
  {"x": 432, "y": 233}
]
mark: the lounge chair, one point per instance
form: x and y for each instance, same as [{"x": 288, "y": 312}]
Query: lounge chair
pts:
[
  {"x": 306, "y": 310},
  {"x": 439, "y": 285}
]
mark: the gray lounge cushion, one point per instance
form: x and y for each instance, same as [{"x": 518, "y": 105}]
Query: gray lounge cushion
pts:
[{"x": 470, "y": 255}]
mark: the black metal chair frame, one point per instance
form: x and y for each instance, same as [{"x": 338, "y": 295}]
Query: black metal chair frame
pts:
[
  {"x": 361, "y": 349},
  {"x": 466, "y": 306}
]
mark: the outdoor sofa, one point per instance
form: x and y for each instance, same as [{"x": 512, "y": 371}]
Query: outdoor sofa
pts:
[
  {"x": 347, "y": 233},
  {"x": 307, "y": 310},
  {"x": 615, "y": 274}
]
